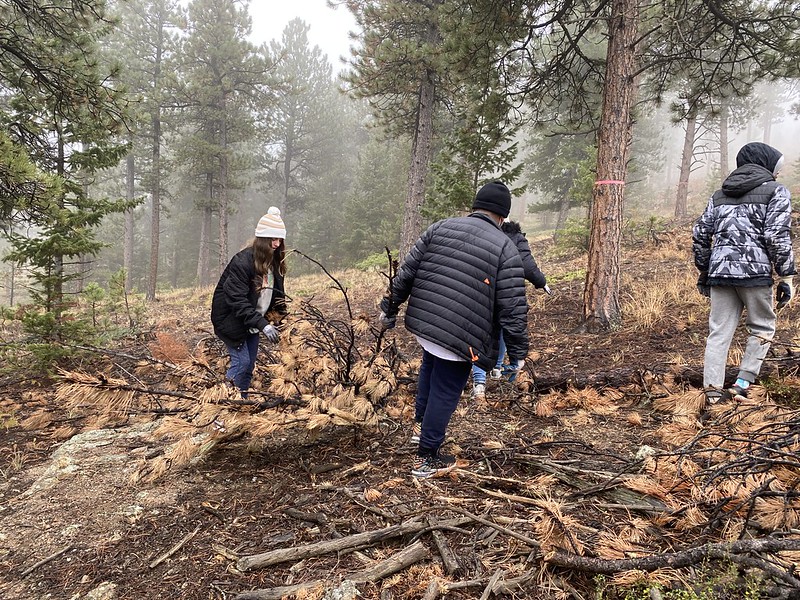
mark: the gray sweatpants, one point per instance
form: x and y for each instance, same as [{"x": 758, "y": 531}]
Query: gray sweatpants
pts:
[{"x": 727, "y": 303}]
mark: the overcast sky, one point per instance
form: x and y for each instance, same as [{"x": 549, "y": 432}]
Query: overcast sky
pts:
[{"x": 329, "y": 27}]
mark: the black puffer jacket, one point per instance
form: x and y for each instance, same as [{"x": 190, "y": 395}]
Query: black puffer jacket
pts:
[
  {"x": 233, "y": 305},
  {"x": 532, "y": 272},
  {"x": 464, "y": 280}
]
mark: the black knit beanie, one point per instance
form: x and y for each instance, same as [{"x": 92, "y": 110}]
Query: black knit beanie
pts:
[
  {"x": 494, "y": 197},
  {"x": 758, "y": 153}
]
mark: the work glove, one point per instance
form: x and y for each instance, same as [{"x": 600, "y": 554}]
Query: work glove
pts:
[
  {"x": 784, "y": 291},
  {"x": 271, "y": 333},
  {"x": 702, "y": 284},
  {"x": 513, "y": 367},
  {"x": 387, "y": 322}
]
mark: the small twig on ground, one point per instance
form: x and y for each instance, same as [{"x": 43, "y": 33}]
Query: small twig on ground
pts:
[
  {"x": 175, "y": 548},
  {"x": 492, "y": 582},
  {"x": 46, "y": 560}
]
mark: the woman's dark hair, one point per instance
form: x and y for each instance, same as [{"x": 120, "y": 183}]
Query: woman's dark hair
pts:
[{"x": 265, "y": 257}]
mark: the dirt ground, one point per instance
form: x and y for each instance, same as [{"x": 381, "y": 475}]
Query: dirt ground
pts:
[{"x": 73, "y": 526}]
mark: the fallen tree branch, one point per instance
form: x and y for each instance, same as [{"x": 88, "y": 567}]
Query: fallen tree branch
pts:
[
  {"x": 449, "y": 560},
  {"x": 501, "y": 586},
  {"x": 680, "y": 559},
  {"x": 273, "y": 557},
  {"x": 489, "y": 590},
  {"x": 523, "y": 538},
  {"x": 46, "y": 560},
  {"x": 399, "y": 561},
  {"x": 175, "y": 548}
]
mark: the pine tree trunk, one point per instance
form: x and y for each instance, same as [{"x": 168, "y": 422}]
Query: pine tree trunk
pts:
[
  {"x": 55, "y": 299},
  {"x": 601, "y": 308},
  {"x": 723, "y": 142},
  {"x": 222, "y": 258},
  {"x": 420, "y": 159},
  {"x": 155, "y": 217},
  {"x": 563, "y": 213},
  {"x": 686, "y": 166},
  {"x": 768, "y": 112},
  {"x": 127, "y": 230},
  {"x": 203, "y": 252}
]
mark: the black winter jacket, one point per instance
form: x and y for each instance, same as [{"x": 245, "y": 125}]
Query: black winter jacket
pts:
[
  {"x": 233, "y": 305},
  {"x": 532, "y": 272},
  {"x": 464, "y": 280}
]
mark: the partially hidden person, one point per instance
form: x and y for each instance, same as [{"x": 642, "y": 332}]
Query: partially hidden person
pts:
[
  {"x": 250, "y": 287},
  {"x": 533, "y": 274},
  {"x": 463, "y": 281},
  {"x": 741, "y": 243}
]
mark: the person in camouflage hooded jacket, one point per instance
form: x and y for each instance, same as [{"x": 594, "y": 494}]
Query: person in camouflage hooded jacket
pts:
[{"x": 740, "y": 241}]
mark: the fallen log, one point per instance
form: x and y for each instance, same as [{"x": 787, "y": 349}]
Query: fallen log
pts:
[
  {"x": 399, "y": 561},
  {"x": 273, "y": 557},
  {"x": 449, "y": 560},
  {"x": 618, "y": 378},
  {"x": 682, "y": 558}
]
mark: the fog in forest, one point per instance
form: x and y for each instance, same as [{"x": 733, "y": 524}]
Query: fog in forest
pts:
[{"x": 298, "y": 139}]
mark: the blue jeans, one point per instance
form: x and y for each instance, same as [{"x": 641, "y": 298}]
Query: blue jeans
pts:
[
  {"x": 478, "y": 374},
  {"x": 243, "y": 361},
  {"x": 438, "y": 391}
]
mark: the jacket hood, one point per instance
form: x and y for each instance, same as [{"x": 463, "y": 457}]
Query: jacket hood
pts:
[
  {"x": 745, "y": 178},
  {"x": 763, "y": 155}
]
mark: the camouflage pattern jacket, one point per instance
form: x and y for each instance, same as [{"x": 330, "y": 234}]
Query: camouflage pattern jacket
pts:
[{"x": 749, "y": 223}]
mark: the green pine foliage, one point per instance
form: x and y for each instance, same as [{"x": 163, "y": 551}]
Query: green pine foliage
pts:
[{"x": 64, "y": 115}]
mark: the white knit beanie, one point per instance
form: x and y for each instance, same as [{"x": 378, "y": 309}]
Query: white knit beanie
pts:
[{"x": 271, "y": 225}]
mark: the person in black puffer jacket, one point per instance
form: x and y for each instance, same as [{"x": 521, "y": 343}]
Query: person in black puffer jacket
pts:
[
  {"x": 250, "y": 287},
  {"x": 744, "y": 236},
  {"x": 463, "y": 280},
  {"x": 532, "y": 273}
]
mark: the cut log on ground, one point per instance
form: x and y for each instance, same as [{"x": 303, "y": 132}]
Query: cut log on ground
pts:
[
  {"x": 403, "y": 559},
  {"x": 273, "y": 557}
]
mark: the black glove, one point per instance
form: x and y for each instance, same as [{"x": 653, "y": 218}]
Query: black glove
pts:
[
  {"x": 387, "y": 322},
  {"x": 702, "y": 284},
  {"x": 784, "y": 292},
  {"x": 271, "y": 333}
]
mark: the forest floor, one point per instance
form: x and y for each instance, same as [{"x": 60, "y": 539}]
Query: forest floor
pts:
[{"x": 539, "y": 466}]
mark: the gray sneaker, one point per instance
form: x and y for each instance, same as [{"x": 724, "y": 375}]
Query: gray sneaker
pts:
[
  {"x": 432, "y": 466},
  {"x": 478, "y": 391}
]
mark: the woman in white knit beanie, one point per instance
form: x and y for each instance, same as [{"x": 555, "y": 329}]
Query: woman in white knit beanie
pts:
[{"x": 250, "y": 287}]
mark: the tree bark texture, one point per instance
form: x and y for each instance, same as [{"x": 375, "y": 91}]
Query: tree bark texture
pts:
[
  {"x": 420, "y": 159},
  {"x": 723, "y": 142},
  {"x": 127, "y": 229},
  {"x": 687, "y": 157},
  {"x": 155, "y": 216},
  {"x": 223, "y": 193},
  {"x": 203, "y": 251},
  {"x": 601, "y": 307}
]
